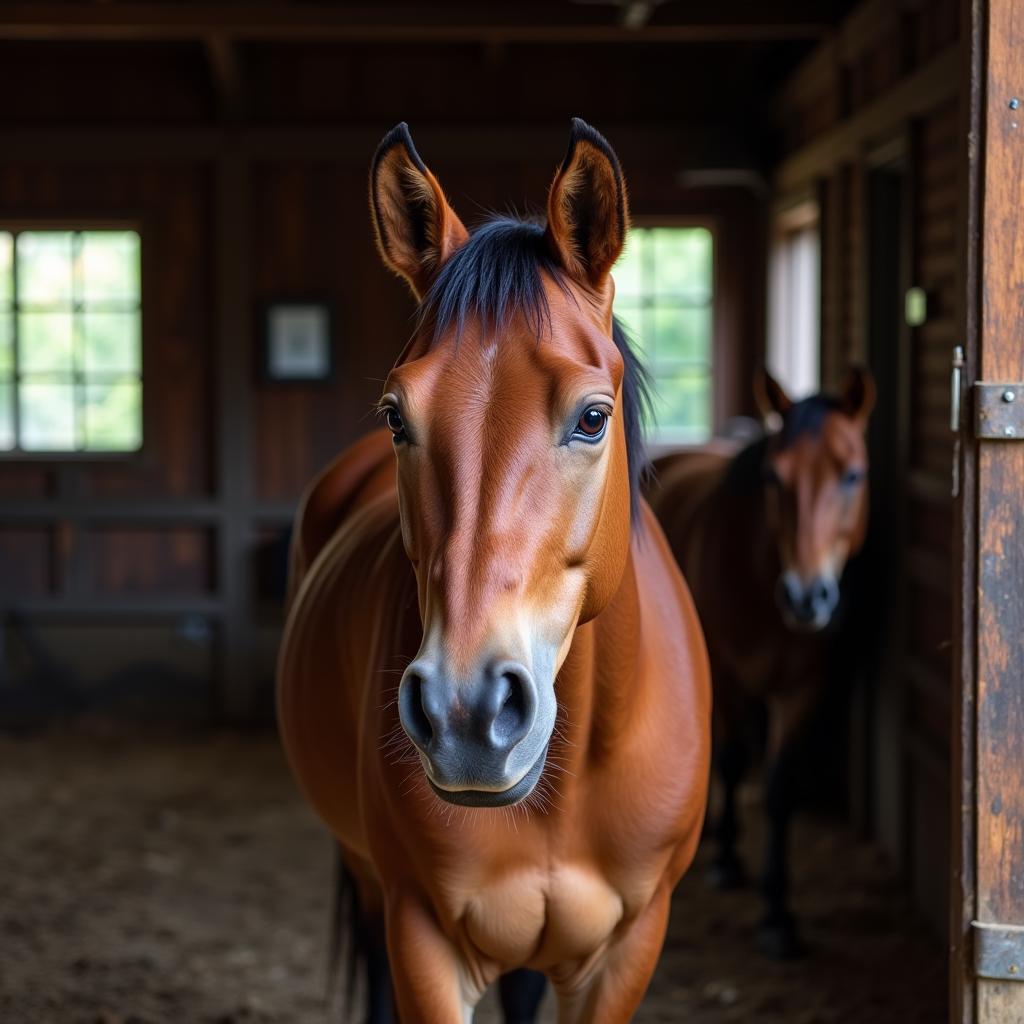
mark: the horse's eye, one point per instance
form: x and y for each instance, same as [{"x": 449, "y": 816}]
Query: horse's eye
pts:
[
  {"x": 393, "y": 418},
  {"x": 852, "y": 477},
  {"x": 771, "y": 478},
  {"x": 591, "y": 424}
]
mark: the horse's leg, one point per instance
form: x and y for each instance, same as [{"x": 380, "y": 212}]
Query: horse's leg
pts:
[
  {"x": 727, "y": 871},
  {"x": 366, "y": 928},
  {"x": 778, "y": 935},
  {"x": 521, "y": 994},
  {"x": 380, "y": 999},
  {"x": 432, "y": 984},
  {"x": 730, "y": 758},
  {"x": 610, "y": 988}
]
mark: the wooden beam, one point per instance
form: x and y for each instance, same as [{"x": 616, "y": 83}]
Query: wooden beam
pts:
[
  {"x": 426, "y": 23},
  {"x": 225, "y": 71},
  {"x": 234, "y": 431},
  {"x": 681, "y": 145},
  {"x": 938, "y": 81}
]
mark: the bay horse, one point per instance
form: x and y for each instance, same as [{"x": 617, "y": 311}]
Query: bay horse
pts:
[
  {"x": 526, "y": 801},
  {"x": 762, "y": 537}
]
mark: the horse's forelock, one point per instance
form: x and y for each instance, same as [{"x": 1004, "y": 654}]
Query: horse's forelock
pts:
[{"x": 498, "y": 274}]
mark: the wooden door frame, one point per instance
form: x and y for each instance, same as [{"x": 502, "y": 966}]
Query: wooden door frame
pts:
[{"x": 988, "y": 728}]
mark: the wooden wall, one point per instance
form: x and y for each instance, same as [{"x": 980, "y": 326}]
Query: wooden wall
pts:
[
  {"x": 184, "y": 543},
  {"x": 884, "y": 95}
]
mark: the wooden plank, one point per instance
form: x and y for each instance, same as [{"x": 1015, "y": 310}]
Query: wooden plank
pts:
[
  {"x": 931, "y": 685},
  {"x": 929, "y": 569},
  {"x": 915, "y": 95},
  {"x": 226, "y": 73},
  {"x": 234, "y": 431},
  {"x": 497, "y": 22},
  {"x": 106, "y": 511},
  {"x": 962, "y": 1003},
  {"x": 118, "y": 609},
  {"x": 657, "y": 142},
  {"x": 999, "y": 782}
]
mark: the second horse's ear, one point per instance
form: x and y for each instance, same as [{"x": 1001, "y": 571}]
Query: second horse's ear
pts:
[
  {"x": 770, "y": 397},
  {"x": 417, "y": 230},
  {"x": 588, "y": 214},
  {"x": 858, "y": 393}
]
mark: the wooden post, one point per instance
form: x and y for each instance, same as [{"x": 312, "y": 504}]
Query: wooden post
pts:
[
  {"x": 988, "y": 904},
  {"x": 234, "y": 429}
]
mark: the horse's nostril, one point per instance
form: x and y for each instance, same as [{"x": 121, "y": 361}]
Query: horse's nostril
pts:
[
  {"x": 826, "y": 595},
  {"x": 517, "y": 708},
  {"x": 412, "y": 710}
]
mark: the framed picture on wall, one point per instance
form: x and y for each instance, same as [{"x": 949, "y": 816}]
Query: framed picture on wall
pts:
[{"x": 298, "y": 341}]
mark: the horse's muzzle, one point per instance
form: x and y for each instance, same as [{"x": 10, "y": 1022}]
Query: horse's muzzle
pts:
[
  {"x": 807, "y": 606},
  {"x": 476, "y": 736}
]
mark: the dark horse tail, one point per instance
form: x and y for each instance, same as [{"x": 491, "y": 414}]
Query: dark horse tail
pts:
[{"x": 357, "y": 950}]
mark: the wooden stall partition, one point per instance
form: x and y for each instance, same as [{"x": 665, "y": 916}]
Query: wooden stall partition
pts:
[{"x": 988, "y": 905}]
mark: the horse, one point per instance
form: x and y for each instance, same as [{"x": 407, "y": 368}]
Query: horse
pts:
[
  {"x": 762, "y": 536},
  {"x": 521, "y": 808}
]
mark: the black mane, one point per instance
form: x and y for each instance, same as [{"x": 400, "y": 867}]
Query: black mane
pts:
[
  {"x": 746, "y": 470},
  {"x": 806, "y": 417},
  {"x": 497, "y": 275}
]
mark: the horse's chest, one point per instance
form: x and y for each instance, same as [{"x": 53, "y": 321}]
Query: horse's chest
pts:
[{"x": 543, "y": 917}]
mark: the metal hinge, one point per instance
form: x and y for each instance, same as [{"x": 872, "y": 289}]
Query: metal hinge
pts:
[
  {"x": 998, "y": 951},
  {"x": 999, "y": 411}
]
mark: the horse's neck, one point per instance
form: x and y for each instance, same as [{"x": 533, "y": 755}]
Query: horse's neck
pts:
[
  {"x": 745, "y": 543},
  {"x": 600, "y": 685}
]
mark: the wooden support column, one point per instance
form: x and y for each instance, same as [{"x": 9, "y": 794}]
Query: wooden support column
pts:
[
  {"x": 234, "y": 429},
  {"x": 988, "y": 903}
]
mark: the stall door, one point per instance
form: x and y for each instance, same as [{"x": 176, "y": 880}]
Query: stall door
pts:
[{"x": 988, "y": 893}]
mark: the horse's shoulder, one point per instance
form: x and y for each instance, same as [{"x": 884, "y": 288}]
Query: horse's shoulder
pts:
[{"x": 361, "y": 473}]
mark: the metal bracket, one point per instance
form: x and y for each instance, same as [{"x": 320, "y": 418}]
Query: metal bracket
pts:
[
  {"x": 999, "y": 411},
  {"x": 998, "y": 951}
]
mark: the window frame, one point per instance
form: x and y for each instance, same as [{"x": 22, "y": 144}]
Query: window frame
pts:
[
  {"x": 88, "y": 222},
  {"x": 791, "y": 216},
  {"x": 656, "y": 443}
]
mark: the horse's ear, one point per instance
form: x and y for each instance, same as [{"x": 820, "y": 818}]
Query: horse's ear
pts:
[
  {"x": 416, "y": 228},
  {"x": 588, "y": 215},
  {"x": 771, "y": 398},
  {"x": 858, "y": 393}
]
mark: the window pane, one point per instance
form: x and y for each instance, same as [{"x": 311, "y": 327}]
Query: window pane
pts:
[
  {"x": 6, "y": 344},
  {"x": 45, "y": 342},
  {"x": 628, "y": 271},
  {"x": 110, "y": 267},
  {"x": 632, "y": 318},
  {"x": 113, "y": 416},
  {"x": 6, "y": 276},
  {"x": 682, "y": 262},
  {"x": 112, "y": 342},
  {"x": 682, "y": 332},
  {"x": 6, "y": 415},
  {"x": 47, "y": 416},
  {"x": 44, "y": 268},
  {"x": 682, "y": 405}
]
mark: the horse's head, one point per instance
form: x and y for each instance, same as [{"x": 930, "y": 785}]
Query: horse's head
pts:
[
  {"x": 514, "y": 415},
  {"x": 815, "y": 472}
]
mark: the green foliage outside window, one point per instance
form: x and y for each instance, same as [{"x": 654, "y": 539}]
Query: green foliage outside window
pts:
[
  {"x": 664, "y": 286},
  {"x": 70, "y": 341}
]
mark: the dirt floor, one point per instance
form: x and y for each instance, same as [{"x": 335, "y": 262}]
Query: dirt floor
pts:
[{"x": 183, "y": 880}]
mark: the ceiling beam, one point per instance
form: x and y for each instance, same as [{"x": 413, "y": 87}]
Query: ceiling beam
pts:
[{"x": 735, "y": 21}]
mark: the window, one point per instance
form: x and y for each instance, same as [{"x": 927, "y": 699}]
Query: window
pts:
[
  {"x": 70, "y": 341},
  {"x": 664, "y": 285},
  {"x": 794, "y": 301}
]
